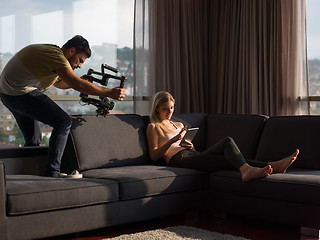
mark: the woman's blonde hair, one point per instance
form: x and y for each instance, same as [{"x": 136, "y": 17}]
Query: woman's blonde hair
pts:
[{"x": 158, "y": 99}]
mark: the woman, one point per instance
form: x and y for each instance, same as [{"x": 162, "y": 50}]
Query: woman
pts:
[{"x": 164, "y": 137}]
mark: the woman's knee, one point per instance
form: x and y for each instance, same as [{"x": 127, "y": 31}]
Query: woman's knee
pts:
[
  {"x": 229, "y": 140},
  {"x": 230, "y": 143}
]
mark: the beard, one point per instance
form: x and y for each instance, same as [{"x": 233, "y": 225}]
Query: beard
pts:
[
  {"x": 72, "y": 66},
  {"x": 71, "y": 61}
]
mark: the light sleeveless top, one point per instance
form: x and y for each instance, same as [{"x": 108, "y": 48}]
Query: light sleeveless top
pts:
[{"x": 174, "y": 148}]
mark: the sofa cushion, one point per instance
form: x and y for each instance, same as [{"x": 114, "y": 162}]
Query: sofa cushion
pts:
[
  {"x": 28, "y": 193},
  {"x": 244, "y": 129},
  {"x": 98, "y": 142},
  {"x": 142, "y": 181},
  {"x": 297, "y": 185},
  {"x": 282, "y": 135}
]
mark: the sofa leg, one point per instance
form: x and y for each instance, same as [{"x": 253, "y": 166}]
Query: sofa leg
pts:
[{"x": 310, "y": 232}]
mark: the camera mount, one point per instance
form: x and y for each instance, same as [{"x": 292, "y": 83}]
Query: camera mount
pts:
[{"x": 104, "y": 104}]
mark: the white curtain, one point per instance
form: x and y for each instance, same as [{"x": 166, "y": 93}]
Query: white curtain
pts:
[
  {"x": 142, "y": 56},
  {"x": 295, "y": 88}
]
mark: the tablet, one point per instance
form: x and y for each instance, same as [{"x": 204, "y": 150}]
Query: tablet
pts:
[{"x": 191, "y": 132}]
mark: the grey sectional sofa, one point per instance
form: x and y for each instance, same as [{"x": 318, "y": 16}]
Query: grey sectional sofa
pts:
[{"x": 122, "y": 185}]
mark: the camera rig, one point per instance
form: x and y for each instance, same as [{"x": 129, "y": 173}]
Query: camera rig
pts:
[{"x": 104, "y": 104}]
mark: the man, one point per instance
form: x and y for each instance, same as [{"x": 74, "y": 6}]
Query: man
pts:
[{"x": 33, "y": 70}]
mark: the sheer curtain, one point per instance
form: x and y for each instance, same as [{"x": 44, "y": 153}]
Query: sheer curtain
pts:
[
  {"x": 143, "y": 83},
  {"x": 295, "y": 92},
  {"x": 223, "y": 56}
]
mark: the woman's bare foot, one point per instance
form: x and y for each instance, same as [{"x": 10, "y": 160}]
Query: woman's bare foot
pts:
[
  {"x": 282, "y": 165},
  {"x": 249, "y": 173}
]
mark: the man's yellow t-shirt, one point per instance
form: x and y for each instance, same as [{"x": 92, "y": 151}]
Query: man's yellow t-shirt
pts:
[{"x": 33, "y": 67}]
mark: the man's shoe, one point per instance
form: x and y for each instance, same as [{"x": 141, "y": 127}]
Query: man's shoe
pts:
[{"x": 74, "y": 174}]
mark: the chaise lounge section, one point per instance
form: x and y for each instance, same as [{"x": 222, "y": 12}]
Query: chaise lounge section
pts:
[
  {"x": 290, "y": 198},
  {"x": 122, "y": 185}
]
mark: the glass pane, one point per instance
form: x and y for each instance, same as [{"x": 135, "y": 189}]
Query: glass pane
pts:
[
  {"x": 107, "y": 25},
  {"x": 74, "y": 107},
  {"x": 313, "y": 32},
  {"x": 315, "y": 108}
]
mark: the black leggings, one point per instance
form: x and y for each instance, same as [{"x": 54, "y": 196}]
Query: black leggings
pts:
[{"x": 223, "y": 155}]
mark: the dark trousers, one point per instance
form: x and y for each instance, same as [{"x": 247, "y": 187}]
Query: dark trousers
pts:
[
  {"x": 223, "y": 155},
  {"x": 34, "y": 107}
]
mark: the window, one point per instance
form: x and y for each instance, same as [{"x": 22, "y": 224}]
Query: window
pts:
[
  {"x": 313, "y": 36},
  {"x": 107, "y": 25}
]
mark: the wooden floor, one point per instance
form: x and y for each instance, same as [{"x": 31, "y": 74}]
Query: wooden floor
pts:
[{"x": 235, "y": 225}]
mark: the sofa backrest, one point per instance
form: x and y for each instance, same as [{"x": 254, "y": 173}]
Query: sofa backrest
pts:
[
  {"x": 97, "y": 142},
  {"x": 282, "y": 135},
  {"x": 244, "y": 129}
]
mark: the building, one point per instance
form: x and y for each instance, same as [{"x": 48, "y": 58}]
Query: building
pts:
[{"x": 7, "y": 121}]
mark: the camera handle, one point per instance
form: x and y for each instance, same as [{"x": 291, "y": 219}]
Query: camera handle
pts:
[{"x": 105, "y": 78}]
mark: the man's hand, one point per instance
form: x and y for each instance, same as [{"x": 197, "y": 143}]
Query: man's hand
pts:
[
  {"x": 71, "y": 79},
  {"x": 117, "y": 93}
]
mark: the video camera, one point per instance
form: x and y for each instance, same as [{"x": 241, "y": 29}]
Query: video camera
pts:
[{"x": 104, "y": 104}]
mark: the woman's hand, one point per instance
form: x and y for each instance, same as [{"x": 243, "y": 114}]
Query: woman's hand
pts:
[
  {"x": 179, "y": 136},
  {"x": 187, "y": 145}
]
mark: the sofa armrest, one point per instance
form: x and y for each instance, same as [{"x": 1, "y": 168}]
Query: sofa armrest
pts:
[{"x": 3, "y": 219}]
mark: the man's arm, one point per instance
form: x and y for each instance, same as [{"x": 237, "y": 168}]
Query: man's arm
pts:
[
  {"x": 61, "y": 84},
  {"x": 73, "y": 81}
]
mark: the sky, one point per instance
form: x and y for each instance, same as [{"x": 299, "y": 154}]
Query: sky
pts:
[
  {"x": 24, "y": 22},
  {"x": 313, "y": 29}
]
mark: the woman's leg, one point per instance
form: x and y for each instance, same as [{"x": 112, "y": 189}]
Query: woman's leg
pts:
[
  {"x": 282, "y": 165},
  {"x": 211, "y": 163},
  {"x": 279, "y": 166},
  {"x": 249, "y": 169},
  {"x": 199, "y": 161},
  {"x": 223, "y": 155},
  {"x": 229, "y": 149}
]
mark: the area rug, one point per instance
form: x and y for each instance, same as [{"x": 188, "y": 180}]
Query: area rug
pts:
[{"x": 178, "y": 233}]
